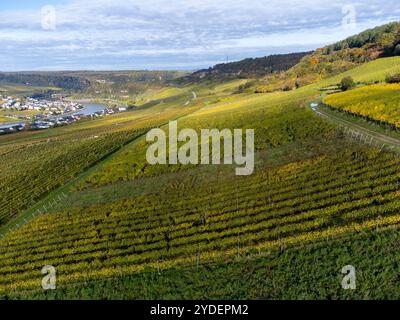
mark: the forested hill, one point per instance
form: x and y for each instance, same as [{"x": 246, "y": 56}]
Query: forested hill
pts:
[
  {"x": 379, "y": 42},
  {"x": 45, "y": 80},
  {"x": 247, "y": 68},
  {"x": 384, "y": 38}
]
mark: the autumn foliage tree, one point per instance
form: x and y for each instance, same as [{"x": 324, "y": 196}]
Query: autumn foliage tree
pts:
[{"x": 347, "y": 83}]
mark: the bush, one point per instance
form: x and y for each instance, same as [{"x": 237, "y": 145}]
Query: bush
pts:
[
  {"x": 397, "y": 50},
  {"x": 347, "y": 83},
  {"x": 243, "y": 87},
  {"x": 393, "y": 78}
]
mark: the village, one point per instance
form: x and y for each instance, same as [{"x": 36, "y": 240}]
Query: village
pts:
[
  {"x": 50, "y": 107},
  {"x": 51, "y": 113}
]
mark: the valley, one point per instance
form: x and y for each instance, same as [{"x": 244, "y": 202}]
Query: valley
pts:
[{"x": 85, "y": 199}]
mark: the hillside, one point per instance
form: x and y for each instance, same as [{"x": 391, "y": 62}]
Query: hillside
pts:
[
  {"x": 247, "y": 68},
  {"x": 124, "y": 220},
  {"x": 384, "y": 39},
  {"x": 85, "y": 199},
  {"x": 45, "y": 80},
  {"x": 110, "y": 86},
  {"x": 334, "y": 59}
]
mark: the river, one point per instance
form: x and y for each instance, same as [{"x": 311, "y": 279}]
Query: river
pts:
[{"x": 90, "y": 108}]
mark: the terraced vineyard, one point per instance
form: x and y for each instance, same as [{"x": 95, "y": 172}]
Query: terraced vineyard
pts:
[{"x": 376, "y": 102}]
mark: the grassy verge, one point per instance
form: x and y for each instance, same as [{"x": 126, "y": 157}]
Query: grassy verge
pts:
[
  {"x": 382, "y": 129},
  {"x": 381, "y": 135}
]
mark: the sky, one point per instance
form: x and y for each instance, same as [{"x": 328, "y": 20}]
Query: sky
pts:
[{"x": 173, "y": 34}]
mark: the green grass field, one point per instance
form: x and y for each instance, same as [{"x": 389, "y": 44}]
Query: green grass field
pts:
[{"x": 369, "y": 73}]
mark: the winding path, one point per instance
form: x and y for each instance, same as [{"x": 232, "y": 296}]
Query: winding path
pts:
[
  {"x": 194, "y": 98},
  {"x": 382, "y": 138}
]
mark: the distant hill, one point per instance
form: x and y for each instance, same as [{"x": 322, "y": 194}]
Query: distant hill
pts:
[
  {"x": 385, "y": 39},
  {"x": 121, "y": 84},
  {"x": 288, "y": 71},
  {"x": 382, "y": 41},
  {"x": 97, "y": 83},
  {"x": 247, "y": 68},
  {"x": 49, "y": 79}
]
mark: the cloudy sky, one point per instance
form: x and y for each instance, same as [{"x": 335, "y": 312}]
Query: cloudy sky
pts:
[{"x": 173, "y": 34}]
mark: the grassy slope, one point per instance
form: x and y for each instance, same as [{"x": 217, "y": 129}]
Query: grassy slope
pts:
[
  {"x": 240, "y": 111},
  {"x": 375, "y": 71}
]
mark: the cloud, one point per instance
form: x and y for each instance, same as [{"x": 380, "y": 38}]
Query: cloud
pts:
[{"x": 179, "y": 33}]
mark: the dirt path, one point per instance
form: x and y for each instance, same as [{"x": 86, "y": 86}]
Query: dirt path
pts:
[
  {"x": 194, "y": 94},
  {"x": 355, "y": 127}
]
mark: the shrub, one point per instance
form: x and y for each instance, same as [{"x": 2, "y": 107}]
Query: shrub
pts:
[
  {"x": 397, "y": 50},
  {"x": 393, "y": 78},
  {"x": 347, "y": 83},
  {"x": 243, "y": 87}
]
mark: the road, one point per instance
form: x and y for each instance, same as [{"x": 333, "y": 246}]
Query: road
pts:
[
  {"x": 354, "y": 128},
  {"x": 194, "y": 98}
]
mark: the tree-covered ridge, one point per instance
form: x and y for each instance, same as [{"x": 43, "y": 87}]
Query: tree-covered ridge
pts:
[
  {"x": 93, "y": 82},
  {"x": 247, "y": 68},
  {"x": 386, "y": 37},
  {"x": 334, "y": 59},
  {"x": 46, "y": 80}
]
